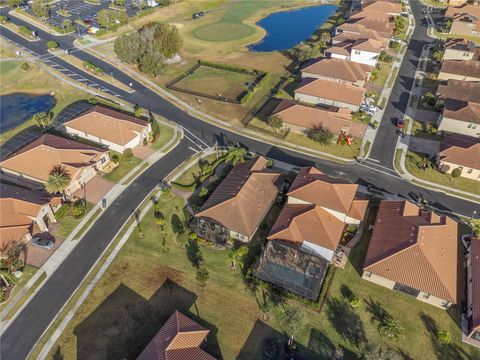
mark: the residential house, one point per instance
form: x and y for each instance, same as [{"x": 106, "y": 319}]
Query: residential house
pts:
[
  {"x": 454, "y": 2},
  {"x": 179, "y": 338},
  {"x": 460, "y": 117},
  {"x": 362, "y": 51},
  {"x": 415, "y": 252},
  {"x": 460, "y": 152},
  {"x": 317, "y": 211},
  {"x": 109, "y": 127},
  {"x": 384, "y": 7},
  {"x": 382, "y": 23},
  {"x": 473, "y": 290},
  {"x": 353, "y": 30},
  {"x": 320, "y": 91},
  {"x": 37, "y": 159},
  {"x": 459, "y": 90},
  {"x": 339, "y": 70},
  {"x": 465, "y": 20},
  {"x": 288, "y": 267},
  {"x": 24, "y": 212},
  {"x": 238, "y": 205},
  {"x": 466, "y": 70},
  {"x": 300, "y": 118},
  {"x": 460, "y": 49}
]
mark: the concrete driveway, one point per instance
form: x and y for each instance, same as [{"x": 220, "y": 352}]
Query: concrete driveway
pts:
[
  {"x": 37, "y": 256},
  {"x": 424, "y": 146}
]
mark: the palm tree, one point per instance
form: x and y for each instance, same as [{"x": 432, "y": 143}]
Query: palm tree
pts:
[
  {"x": 438, "y": 55},
  {"x": 42, "y": 119},
  {"x": 325, "y": 37},
  {"x": 58, "y": 180},
  {"x": 236, "y": 154},
  {"x": 236, "y": 255},
  {"x": 390, "y": 328}
]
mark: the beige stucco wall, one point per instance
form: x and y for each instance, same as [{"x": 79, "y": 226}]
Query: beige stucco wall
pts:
[
  {"x": 309, "y": 99},
  {"x": 447, "y": 76},
  {"x": 451, "y": 54},
  {"x": 469, "y": 173},
  {"x": 459, "y": 127},
  {"x": 379, "y": 280},
  {"x": 238, "y": 236},
  {"x": 45, "y": 210},
  {"x": 433, "y": 300}
]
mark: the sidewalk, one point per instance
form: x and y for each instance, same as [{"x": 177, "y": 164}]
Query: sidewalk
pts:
[{"x": 69, "y": 244}]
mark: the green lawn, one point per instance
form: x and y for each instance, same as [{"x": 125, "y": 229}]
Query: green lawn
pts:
[
  {"x": 28, "y": 272},
  {"x": 124, "y": 167},
  {"x": 419, "y": 130},
  {"x": 193, "y": 173},
  {"x": 380, "y": 76},
  {"x": 66, "y": 225},
  {"x": 35, "y": 81},
  {"x": 166, "y": 134},
  {"x": 148, "y": 280},
  {"x": 436, "y": 176},
  {"x": 213, "y": 81}
]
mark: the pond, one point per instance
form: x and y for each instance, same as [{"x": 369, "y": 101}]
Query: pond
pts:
[
  {"x": 286, "y": 29},
  {"x": 17, "y": 108}
]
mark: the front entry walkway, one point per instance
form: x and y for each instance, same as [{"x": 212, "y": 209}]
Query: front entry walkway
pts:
[{"x": 95, "y": 189}]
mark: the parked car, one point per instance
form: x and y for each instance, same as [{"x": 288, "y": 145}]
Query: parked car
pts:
[
  {"x": 400, "y": 123},
  {"x": 43, "y": 243}
]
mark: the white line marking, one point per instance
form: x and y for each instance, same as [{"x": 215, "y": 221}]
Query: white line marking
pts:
[
  {"x": 380, "y": 171},
  {"x": 196, "y": 137},
  {"x": 372, "y": 159}
]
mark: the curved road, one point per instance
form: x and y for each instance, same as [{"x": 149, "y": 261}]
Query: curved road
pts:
[{"x": 25, "y": 330}]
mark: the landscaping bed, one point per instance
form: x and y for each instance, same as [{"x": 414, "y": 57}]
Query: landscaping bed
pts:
[{"x": 125, "y": 164}]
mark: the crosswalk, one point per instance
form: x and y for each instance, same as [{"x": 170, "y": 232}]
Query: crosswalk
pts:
[
  {"x": 49, "y": 60},
  {"x": 374, "y": 164}
]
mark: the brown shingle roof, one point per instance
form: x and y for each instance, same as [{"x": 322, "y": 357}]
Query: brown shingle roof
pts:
[
  {"x": 339, "y": 69},
  {"x": 39, "y": 157},
  {"x": 469, "y": 68},
  {"x": 108, "y": 124},
  {"x": 336, "y": 119},
  {"x": 297, "y": 223},
  {"x": 241, "y": 200},
  {"x": 461, "y": 151},
  {"x": 475, "y": 263},
  {"x": 178, "y": 339},
  {"x": 314, "y": 187},
  {"x": 415, "y": 248},
  {"x": 460, "y": 90},
  {"x": 462, "y": 111},
  {"x": 326, "y": 89}
]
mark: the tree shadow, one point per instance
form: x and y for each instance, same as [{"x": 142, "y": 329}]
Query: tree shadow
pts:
[
  {"x": 194, "y": 254},
  {"x": 379, "y": 314},
  {"x": 346, "y": 291},
  {"x": 345, "y": 321},
  {"x": 442, "y": 351},
  {"x": 125, "y": 322},
  {"x": 57, "y": 355},
  {"x": 177, "y": 225}
]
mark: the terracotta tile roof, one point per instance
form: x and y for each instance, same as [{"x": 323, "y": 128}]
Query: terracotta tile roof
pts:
[
  {"x": 463, "y": 111},
  {"x": 467, "y": 9},
  {"x": 461, "y": 151},
  {"x": 460, "y": 90},
  {"x": 108, "y": 124},
  {"x": 363, "y": 30},
  {"x": 330, "y": 90},
  {"x": 343, "y": 48},
  {"x": 374, "y": 20},
  {"x": 475, "y": 263},
  {"x": 314, "y": 187},
  {"x": 360, "y": 34},
  {"x": 298, "y": 223},
  {"x": 335, "y": 119},
  {"x": 469, "y": 68},
  {"x": 241, "y": 200},
  {"x": 384, "y": 7},
  {"x": 339, "y": 69},
  {"x": 414, "y": 248},
  {"x": 178, "y": 339},
  {"x": 39, "y": 157},
  {"x": 369, "y": 45}
]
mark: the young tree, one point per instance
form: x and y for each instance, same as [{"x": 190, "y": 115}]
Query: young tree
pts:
[
  {"x": 390, "y": 328},
  {"x": 128, "y": 154},
  {"x": 321, "y": 135},
  {"x": 275, "y": 122},
  {"x": 43, "y": 120},
  {"x": 202, "y": 275},
  {"x": 236, "y": 255},
  {"x": 58, "y": 180},
  {"x": 236, "y": 154},
  {"x": 438, "y": 55}
]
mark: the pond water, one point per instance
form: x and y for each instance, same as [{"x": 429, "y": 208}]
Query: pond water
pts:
[
  {"x": 286, "y": 29},
  {"x": 19, "y": 107}
]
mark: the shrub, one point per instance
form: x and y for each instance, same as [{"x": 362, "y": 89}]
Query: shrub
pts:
[
  {"x": 269, "y": 163},
  {"x": 115, "y": 158},
  {"x": 25, "y": 31},
  {"x": 202, "y": 276},
  {"x": 456, "y": 173},
  {"x": 444, "y": 337},
  {"x": 3, "y": 19},
  {"x": 321, "y": 135},
  {"x": 78, "y": 210},
  {"x": 52, "y": 45},
  {"x": 25, "y": 67},
  {"x": 203, "y": 192},
  {"x": 101, "y": 32},
  {"x": 354, "y": 301},
  {"x": 128, "y": 154},
  {"x": 192, "y": 236}
]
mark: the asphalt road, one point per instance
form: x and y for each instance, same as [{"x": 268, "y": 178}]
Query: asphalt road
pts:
[{"x": 25, "y": 330}]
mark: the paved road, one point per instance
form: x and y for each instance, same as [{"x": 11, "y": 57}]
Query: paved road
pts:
[
  {"x": 383, "y": 149},
  {"x": 20, "y": 337}
]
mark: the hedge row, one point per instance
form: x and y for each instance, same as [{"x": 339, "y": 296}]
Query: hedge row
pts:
[
  {"x": 231, "y": 68},
  {"x": 248, "y": 94}
]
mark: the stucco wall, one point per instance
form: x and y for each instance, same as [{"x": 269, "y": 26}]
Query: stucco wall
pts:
[
  {"x": 317, "y": 250},
  {"x": 459, "y": 127},
  {"x": 448, "y": 76},
  {"x": 469, "y": 173},
  {"x": 364, "y": 57},
  {"x": 379, "y": 280},
  {"x": 451, "y": 54},
  {"x": 433, "y": 300},
  {"x": 309, "y": 99}
]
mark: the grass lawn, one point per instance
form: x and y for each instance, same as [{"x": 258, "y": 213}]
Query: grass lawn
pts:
[
  {"x": 65, "y": 226},
  {"x": 473, "y": 38},
  {"x": 148, "y": 280},
  {"x": 436, "y": 176},
  {"x": 213, "y": 81},
  {"x": 28, "y": 272},
  {"x": 6, "y": 49},
  {"x": 381, "y": 76},
  {"x": 189, "y": 176},
  {"x": 124, "y": 167},
  {"x": 35, "y": 81},
  {"x": 166, "y": 134}
]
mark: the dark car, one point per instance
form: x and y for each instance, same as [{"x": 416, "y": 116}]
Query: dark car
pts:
[
  {"x": 400, "y": 123},
  {"x": 43, "y": 243}
]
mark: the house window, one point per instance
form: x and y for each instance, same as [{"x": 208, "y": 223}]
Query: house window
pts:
[
  {"x": 426, "y": 295},
  {"x": 357, "y": 52},
  {"x": 103, "y": 160}
]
